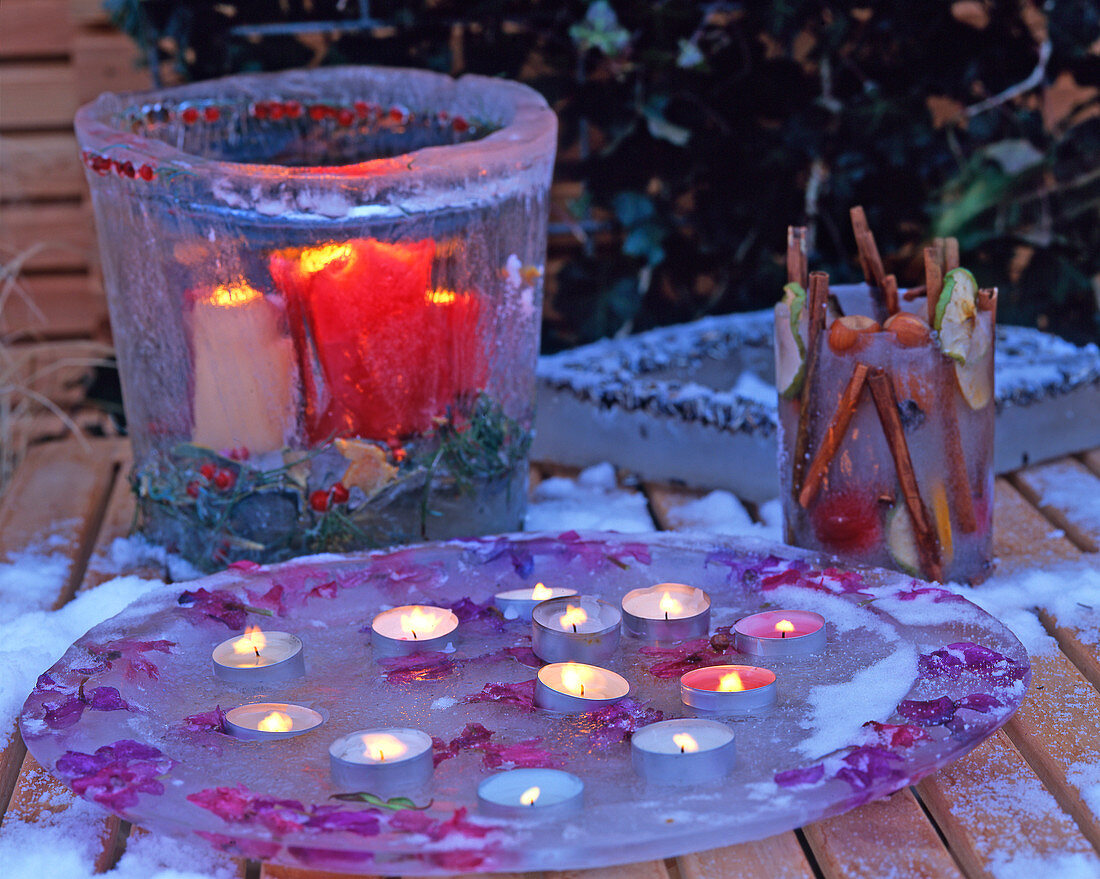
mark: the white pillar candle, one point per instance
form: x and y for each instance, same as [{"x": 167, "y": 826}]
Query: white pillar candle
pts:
[
  {"x": 667, "y": 612},
  {"x": 245, "y": 374},
  {"x": 779, "y": 633},
  {"x": 575, "y": 687},
  {"x": 385, "y": 758},
  {"x": 268, "y": 721},
  {"x": 259, "y": 657},
  {"x": 582, "y": 628},
  {"x": 683, "y": 751},
  {"x": 517, "y": 604},
  {"x": 530, "y": 793},
  {"x": 413, "y": 628}
]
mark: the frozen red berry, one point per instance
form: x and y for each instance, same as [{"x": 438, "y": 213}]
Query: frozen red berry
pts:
[
  {"x": 190, "y": 116},
  {"x": 224, "y": 479},
  {"x": 211, "y": 114},
  {"x": 318, "y": 500},
  {"x": 345, "y": 117},
  {"x": 340, "y": 493},
  {"x": 847, "y": 522},
  {"x": 192, "y": 489},
  {"x": 459, "y": 124},
  {"x": 145, "y": 172},
  {"x": 293, "y": 109},
  {"x": 208, "y": 470},
  {"x": 317, "y": 112}
]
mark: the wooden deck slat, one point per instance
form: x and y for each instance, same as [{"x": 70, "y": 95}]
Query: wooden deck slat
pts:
[
  {"x": 40, "y": 95},
  {"x": 38, "y": 795},
  {"x": 56, "y": 306},
  {"x": 993, "y": 810},
  {"x": 663, "y": 499},
  {"x": 1068, "y": 494},
  {"x": 34, "y": 27},
  {"x": 777, "y": 857},
  {"x": 1092, "y": 460},
  {"x": 641, "y": 870},
  {"x": 890, "y": 837},
  {"x": 1022, "y": 538},
  {"x": 39, "y": 166},
  {"x": 65, "y": 227}
]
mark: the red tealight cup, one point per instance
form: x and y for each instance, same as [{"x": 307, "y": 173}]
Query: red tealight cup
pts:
[
  {"x": 780, "y": 633},
  {"x": 730, "y": 689}
]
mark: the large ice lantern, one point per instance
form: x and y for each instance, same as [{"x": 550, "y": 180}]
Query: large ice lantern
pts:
[{"x": 325, "y": 290}]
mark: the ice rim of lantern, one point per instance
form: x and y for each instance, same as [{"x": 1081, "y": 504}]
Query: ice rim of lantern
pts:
[{"x": 522, "y": 135}]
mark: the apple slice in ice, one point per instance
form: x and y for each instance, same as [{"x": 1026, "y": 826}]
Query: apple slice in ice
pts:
[
  {"x": 790, "y": 341},
  {"x": 973, "y": 372}
]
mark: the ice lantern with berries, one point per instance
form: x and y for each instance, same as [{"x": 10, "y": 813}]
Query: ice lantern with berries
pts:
[{"x": 325, "y": 290}]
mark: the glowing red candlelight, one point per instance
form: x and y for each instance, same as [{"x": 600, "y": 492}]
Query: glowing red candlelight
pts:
[
  {"x": 382, "y": 352},
  {"x": 781, "y": 633},
  {"x": 735, "y": 689}
]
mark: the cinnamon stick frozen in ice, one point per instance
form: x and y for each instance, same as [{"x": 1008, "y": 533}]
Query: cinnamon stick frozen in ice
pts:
[
  {"x": 933, "y": 280},
  {"x": 798, "y": 260},
  {"x": 958, "y": 480},
  {"x": 816, "y": 301},
  {"x": 834, "y": 435},
  {"x": 886, "y": 403},
  {"x": 873, "y": 270}
]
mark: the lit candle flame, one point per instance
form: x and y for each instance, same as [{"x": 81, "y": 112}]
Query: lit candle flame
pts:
[
  {"x": 252, "y": 641},
  {"x": 573, "y": 677},
  {"x": 730, "y": 683},
  {"x": 229, "y": 295},
  {"x": 439, "y": 296},
  {"x": 670, "y": 605},
  {"x": 419, "y": 622},
  {"x": 528, "y": 797},
  {"x": 541, "y": 592},
  {"x": 573, "y": 616},
  {"x": 382, "y": 747},
  {"x": 276, "y": 721},
  {"x": 784, "y": 628},
  {"x": 685, "y": 743},
  {"x": 314, "y": 259}
]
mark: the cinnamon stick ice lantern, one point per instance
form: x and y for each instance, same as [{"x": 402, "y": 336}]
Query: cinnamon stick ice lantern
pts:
[
  {"x": 325, "y": 290},
  {"x": 886, "y": 413}
]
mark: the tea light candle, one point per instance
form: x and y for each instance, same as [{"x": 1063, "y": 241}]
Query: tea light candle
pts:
[
  {"x": 258, "y": 657},
  {"x": 381, "y": 759},
  {"x": 683, "y": 751},
  {"x": 666, "y": 612},
  {"x": 530, "y": 793},
  {"x": 780, "y": 633},
  {"x": 517, "y": 604},
  {"x": 574, "y": 687},
  {"x": 583, "y": 628},
  {"x": 413, "y": 628},
  {"x": 732, "y": 689},
  {"x": 267, "y": 721}
]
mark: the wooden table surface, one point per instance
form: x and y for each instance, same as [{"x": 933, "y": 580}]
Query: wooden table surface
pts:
[{"x": 986, "y": 810}]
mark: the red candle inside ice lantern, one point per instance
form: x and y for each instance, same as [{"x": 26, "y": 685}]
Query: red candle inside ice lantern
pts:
[{"x": 382, "y": 353}]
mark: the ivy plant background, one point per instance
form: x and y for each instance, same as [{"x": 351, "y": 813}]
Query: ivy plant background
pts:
[{"x": 693, "y": 133}]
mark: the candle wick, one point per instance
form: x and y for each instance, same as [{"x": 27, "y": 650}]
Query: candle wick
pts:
[
  {"x": 574, "y": 628},
  {"x": 782, "y": 634},
  {"x": 381, "y": 756},
  {"x": 257, "y": 649},
  {"x": 666, "y": 614},
  {"x": 582, "y": 689},
  {"x": 413, "y": 634},
  {"x": 681, "y": 749}
]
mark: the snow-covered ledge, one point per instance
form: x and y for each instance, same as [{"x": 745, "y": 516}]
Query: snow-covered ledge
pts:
[{"x": 696, "y": 403}]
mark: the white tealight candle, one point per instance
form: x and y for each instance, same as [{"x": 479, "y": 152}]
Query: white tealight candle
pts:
[
  {"x": 414, "y": 628},
  {"x": 666, "y": 612},
  {"x": 575, "y": 687},
  {"x": 267, "y": 721},
  {"x": 517, "y": 604},
  {"x": 581, "y": 628},
  {"x": 382, "y": 759},
  {"x": 683, "y": 751},
  {"x": 258, "y": 657},
  {"x": 530, "y": 793}
]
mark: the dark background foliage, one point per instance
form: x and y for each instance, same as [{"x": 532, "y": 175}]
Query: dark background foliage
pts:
[{"x": 693, "y": 133}]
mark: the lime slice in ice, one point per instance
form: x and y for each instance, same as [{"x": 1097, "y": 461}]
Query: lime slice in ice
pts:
[
  {"x": 790, "y": 357},
  {"x": 902, "y": 540},
  {"x": 955, "y": 312}
]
